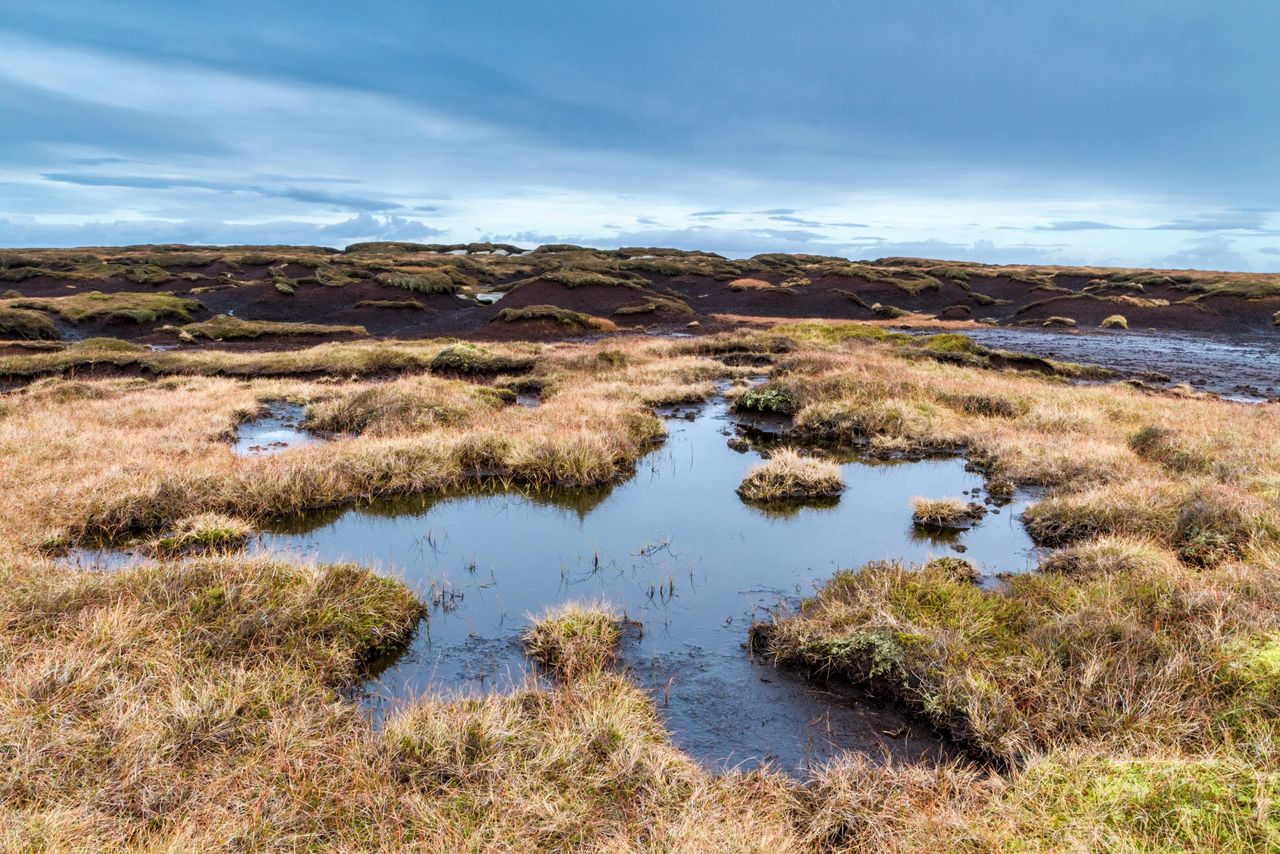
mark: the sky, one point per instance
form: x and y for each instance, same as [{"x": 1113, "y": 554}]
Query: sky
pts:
[{"x": 1128, "y": 133}]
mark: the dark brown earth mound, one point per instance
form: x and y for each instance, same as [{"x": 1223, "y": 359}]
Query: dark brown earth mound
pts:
[{"x": 422, "y": 290}]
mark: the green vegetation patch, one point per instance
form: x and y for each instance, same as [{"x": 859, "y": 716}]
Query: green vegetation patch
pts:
[
  {"x": 95, "y": 305},
  {"x": 769, "y": 398},
  {"x": 1153, "y": 804},
  {"x": 586, "y": 278},
  {"x": 227, "y": 328},
  {"x": 464, "y": 358},
  {"x": 1048, "y": 660},
  {"x": 421, "y": 281},
  {"x": 27, "y": 325}
]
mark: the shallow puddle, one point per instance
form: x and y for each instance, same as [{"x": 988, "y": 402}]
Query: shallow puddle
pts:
[
  {"x": 278, "y": 428},
  {"x": 678, "y": 551}
]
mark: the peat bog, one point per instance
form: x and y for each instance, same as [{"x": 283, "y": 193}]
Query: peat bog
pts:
[{"x": 689, "y": 563}]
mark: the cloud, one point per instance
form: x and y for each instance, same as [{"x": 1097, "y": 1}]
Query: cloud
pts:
[
  {"x": 25, "y": 233},
  {"x": 1270, "y": 250},
  {"x": 1207, "y": 253},
  {"x": 795, "y": 220},
  {"x": 710, "y": 214},
  {"x": 1251, "y": 220},
  {"x": 1078, "y": 225},
  {"x": 297, "y": 194}
]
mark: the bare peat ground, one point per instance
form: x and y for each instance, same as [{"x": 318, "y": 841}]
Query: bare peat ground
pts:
[{"x": 282, "y": 298}]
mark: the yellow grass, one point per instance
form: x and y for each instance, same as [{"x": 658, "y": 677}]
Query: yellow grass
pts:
[{"x": 788, "y": 475}]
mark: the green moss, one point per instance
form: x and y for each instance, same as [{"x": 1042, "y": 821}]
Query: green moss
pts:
[
  {"x": 464, "y": 358},
  {"x": 1252, "y": 668}
]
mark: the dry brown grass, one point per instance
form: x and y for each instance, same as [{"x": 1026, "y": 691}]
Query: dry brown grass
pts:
[
  {"x": 788, "y": 475},
  {"x": 574, "y": 638},
  {"x": 945, "y": 512},
  {"x": 196, "y": 704}
]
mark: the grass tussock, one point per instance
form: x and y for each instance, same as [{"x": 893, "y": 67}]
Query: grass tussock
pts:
[
  {"x": 1109, "y": 554},
  {"x": 1114, "y": 321},
  {"x": 411, "y": 405},
  {"x": 787, "y": 475},
  {"x": 1129, "y": 655},
  {"x": 749, "y": 284},
  {"x": 945, "y": 513},
  {"x": 464, "y": 359},
  {"x": 423, "y": 281},
  {"x": 124, "y": 306},
  {"x": 226, "y": 328},
  {"x": 392, "y": 304},
  {"x": 27, "y": 325},
  {"x": 555, "y": 314},
  {"x": 208, "y": 532},
  {"x": 574, "y": 639}
]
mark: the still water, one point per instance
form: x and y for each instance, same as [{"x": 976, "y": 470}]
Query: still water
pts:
[{"x": 675, "y": 549}]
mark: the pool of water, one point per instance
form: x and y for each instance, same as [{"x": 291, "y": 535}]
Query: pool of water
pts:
[
  {"x": 675, "y": 549},
  {"x": 277, "y": 428}
]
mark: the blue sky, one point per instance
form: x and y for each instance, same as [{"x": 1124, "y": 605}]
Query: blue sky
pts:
[{"x": 1123, "y": 132}]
